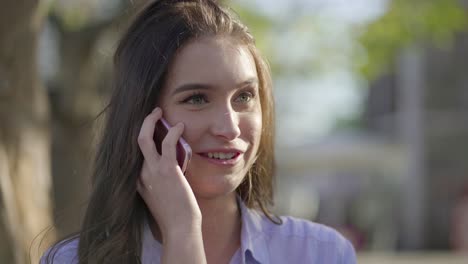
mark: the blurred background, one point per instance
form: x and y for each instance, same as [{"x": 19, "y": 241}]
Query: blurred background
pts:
[{"x": 372, "y": 118}]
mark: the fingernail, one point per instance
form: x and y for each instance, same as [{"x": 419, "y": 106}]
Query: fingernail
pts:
[
  {"x": 180, "y": 125},
  {"x": 157, "y": 109}
]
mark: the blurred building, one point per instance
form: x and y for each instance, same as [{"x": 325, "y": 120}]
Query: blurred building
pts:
[
  {"x": 396, "y": 184},
  {"x": 423, "y": 103}
]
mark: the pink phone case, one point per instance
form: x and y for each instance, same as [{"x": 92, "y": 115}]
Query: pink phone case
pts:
[{"x": 184, "y": 152}]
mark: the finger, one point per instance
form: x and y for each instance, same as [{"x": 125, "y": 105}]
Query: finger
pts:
[
  {"x": 169, "y": 144},
  {"x": 145, "y": 138}
]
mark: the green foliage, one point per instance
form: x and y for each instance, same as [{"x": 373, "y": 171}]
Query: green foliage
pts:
[
  {"x": 406, "y": 23},
  {"x": 75, "y": 15},
  {"x": 45, "y": 6},
  {"x": 348, "y": 124},
  {"x": 260, "y": 26}
]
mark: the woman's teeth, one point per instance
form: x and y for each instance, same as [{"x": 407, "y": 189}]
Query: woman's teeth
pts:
[{"x": 219, "y": 155}]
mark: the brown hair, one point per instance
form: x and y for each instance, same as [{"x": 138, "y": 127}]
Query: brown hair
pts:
[{"x": 111, "y": 230}]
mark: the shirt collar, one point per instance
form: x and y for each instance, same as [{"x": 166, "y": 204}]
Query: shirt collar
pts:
[
  {"x": 151, "y": 248},
  {"x": 253, "y": 240}
]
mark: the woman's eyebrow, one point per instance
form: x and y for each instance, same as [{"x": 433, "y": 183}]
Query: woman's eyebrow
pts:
[
  {"x": 199, "y": 86},
  {"x": 250, "y": 81},
  {"x": 191, "y": 86}
]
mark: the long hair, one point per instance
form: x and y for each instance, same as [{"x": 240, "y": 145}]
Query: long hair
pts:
[{"x": 111, "y": 229}]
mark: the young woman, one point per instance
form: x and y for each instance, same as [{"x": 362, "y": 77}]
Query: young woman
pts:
[{"x": 192, "y": 63}]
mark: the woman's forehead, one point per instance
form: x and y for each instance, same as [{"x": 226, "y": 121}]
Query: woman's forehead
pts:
[{"x": 214, "y": 61}]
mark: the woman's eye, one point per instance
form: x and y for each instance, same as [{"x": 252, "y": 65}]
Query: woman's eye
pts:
[
  {"x": 196, "y": 99},
  {"x": 244, "y": 97}
]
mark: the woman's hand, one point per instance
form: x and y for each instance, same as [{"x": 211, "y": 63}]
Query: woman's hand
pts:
[{"x": 163, "y": 186}]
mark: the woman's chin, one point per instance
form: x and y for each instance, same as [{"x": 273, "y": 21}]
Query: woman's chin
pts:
[{"x": 215, "y": 186}]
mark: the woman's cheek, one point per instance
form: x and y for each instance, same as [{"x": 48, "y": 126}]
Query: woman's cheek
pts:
[
  {"x": 253, "y": 127},
  {"x": 177, "y": 114},
  {"x": 193, "y": 127}
]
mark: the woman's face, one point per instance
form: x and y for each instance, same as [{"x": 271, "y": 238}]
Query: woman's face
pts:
[{"x": 212, "y": 87}]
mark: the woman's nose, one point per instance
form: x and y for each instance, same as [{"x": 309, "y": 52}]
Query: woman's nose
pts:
[{"x": 226, "y": 124}]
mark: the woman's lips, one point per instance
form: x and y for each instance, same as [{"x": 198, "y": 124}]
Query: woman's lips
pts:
[{"x": 224, "y": 162}]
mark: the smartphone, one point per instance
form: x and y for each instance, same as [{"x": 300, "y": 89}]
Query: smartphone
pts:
[{"x": 183, "y": 150}]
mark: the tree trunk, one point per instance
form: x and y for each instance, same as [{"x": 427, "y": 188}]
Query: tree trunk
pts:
[
  {"x": 25, "y": 178},
  {"x": 81, "y": 92},
  {"x": 76, "y": 102}
]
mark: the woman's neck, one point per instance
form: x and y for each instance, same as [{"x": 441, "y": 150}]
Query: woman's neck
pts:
[{"x": 221, "y": 227}]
